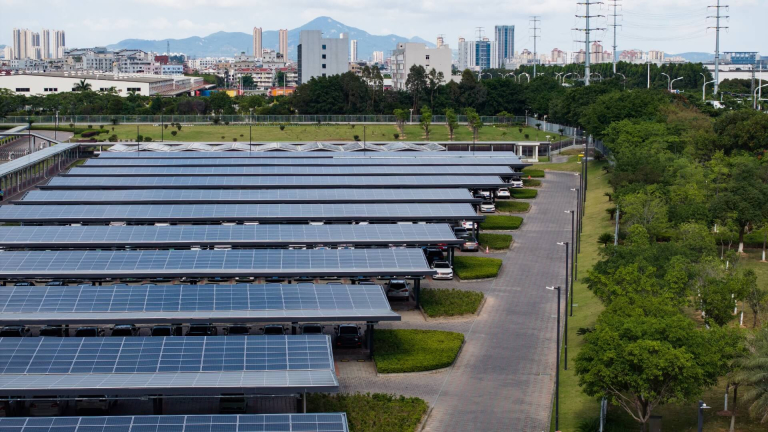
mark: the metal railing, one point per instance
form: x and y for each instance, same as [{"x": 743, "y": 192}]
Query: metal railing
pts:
[{"x": 83, "y": 120}]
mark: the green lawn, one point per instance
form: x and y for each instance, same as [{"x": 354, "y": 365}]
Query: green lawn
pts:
[
  {"x": 495, "y": 241},
  {"x": 371, "y": 412},
  {"x": 468, "y": 268},
  {"x": 573, "y": 165},
  {"x": 449, "y": 302},
  {"x": 399, "y": 351},
  {"x": 524, "y": 193},
  {"x": 534, "y": 172},
  {"x": 531, "y": 183},
  {"x": 512, "y": 206},
  {"x": 382, "y": 132},
  {"x": 503, "y": 223}
]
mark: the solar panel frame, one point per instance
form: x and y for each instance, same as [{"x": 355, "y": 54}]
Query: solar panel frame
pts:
[
  {"x": 214, "y": 263},
  {"x": 514, "y": 162},
  {"x": 141, "y": 171},
  {"x": 221, "y": 304},
  {"x": 237, "y": 212},
  {"x": 299, "y": 154},
  {"x": 278, "y": 235}
]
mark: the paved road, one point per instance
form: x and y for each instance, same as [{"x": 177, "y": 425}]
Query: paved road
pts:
[{"x": 504, "y": 378}]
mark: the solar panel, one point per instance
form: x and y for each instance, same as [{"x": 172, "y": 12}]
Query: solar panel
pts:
[
  {"x": 310, "y": 154},
  {"x": 291, "y": 171},
  {"x": 233, "y": 235},
  {"x": 305, "y": 161},
  {"x": 149, "y": 304},
  {"x": 234, "y": 196},
  {"x": 275, "y": 182},
  {"x": 237, "y": 212},
  {"x": 325, "y": 422},
  {"x": 213, "y": 263}
]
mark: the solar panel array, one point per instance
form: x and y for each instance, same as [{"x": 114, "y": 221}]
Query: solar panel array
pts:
[
  {"x": 265, "y": 196},
  {"x": 275, "y": 182},
  {"x": 322, "y": 154},
  {"x": 317, "y": 161},
  {"x": 291, "y": 171},
  {"x": 236, "y": 212},
  {"x": 210, "y": 263},
  {"x": 234, "y": 235},
  {"x": 136, "y": 304}
]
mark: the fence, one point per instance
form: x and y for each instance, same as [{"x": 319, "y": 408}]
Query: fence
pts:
[{"x": 244, "y": 119}]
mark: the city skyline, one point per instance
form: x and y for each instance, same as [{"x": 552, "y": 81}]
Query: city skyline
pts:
[{"x": 642, "y": 29}]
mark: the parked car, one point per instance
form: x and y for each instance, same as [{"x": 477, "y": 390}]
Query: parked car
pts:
[
  {"x": 503, "y": 193},
  {"x": 24, "y": 284},
  {"x": 53, "y": 331},
  {"x": 244, "y": 279},
  {"x": 433, "y": 255},
  {"x": 274, "y": 279},
  {"x": 470, "y": 244},
  {"x": 93, "y": 404},
  {"x": 348, "y": 336},
  {"x": 46, "y": 406},
  {"x": 166, "y": 330},
  {"x": 232, "y": 403},
  {"x": 468, "y": 225},
  {"x": 311, "y": 329},
  {"x": 444, "y": 270},
  {"x": 487, "y": 207},
  {"x": 14, "y": 331},
  {"x": 89, "y": 332},
  {"x": 273, "y": 329},
  {"x": 460, "y": 232},
  {"x": 398, "y": 289},
  {"x": 516, "y": 183},
  {"x": 237, "y": 330},
  {"x": 201, "y": 330},
  {"x": 125, "y": 330},
  {"x": 56, "y": 283},
  {"x": 485, "y": 194}
]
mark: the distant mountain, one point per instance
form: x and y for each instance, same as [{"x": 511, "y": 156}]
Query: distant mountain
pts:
[
  {"x": 233, "y": 43},
  {"x": 694, "y": 57}
]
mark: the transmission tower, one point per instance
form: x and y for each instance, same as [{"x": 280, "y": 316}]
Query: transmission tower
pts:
[
  {"x": 535, "y": 20},
  {"x": 615, "y": 5},
  {"x": 718, "y": 9},
  {"x": 587, "y": 30}
]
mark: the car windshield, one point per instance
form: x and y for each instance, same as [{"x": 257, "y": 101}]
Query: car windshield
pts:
[
  {"x": 273, "y": 330},
  {"x": 348, "y": 330},
  {"x": 312, "y": 330},
  {"x": 442, "y": 265},
  {"x": 233, "y": 330},
  {"x": 161, "y": 331}
]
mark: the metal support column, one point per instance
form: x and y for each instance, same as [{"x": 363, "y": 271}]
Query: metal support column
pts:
[
  {"x": 369, "y": 338},
  {"x": 293, "y": 328},
  {"x": 417, "y": 291},
  {"x": 451, "y": 251},
  {"x": 157, "y": 405},
  {"x": 304, "y": 401}
]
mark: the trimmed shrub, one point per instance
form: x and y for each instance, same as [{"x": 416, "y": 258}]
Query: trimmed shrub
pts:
[
  {"x": 501, "y": 223},
  {"x": 401, "y": 350},
  {"x": 535, "y": 173},
  {"x": 449, "y": 302},
  {"x": 282, "y": 127},
  {"x": 371, "y": 412},
  {"x": 524, "y": 193},
  {"x": 356, "y": 137},
  {"x": 495, "y": 241},
  {"x": 512, "y": 206},
  {"x": 468, "y": 268},
  {"x": 174, "y": 133}
]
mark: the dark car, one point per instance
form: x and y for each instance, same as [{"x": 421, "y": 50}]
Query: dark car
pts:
[
  {"x": 305, "y": 279},
  {"x": 125, "y": 330},
  {"x": 201, "y": 330},
  {"x": 53, "y": 331},
  {"x": 274, "y": 279},
  {"x": 24, "y": 284},
  {"x": 89, "y": 332},
  {"x": 56, "y": 283},
  {"x": 273, "y": 329},
  {"x": 311, "y": 329},
  {"x": 433, "y": 255},
  {"x": 14, "y": 331},
  {"x": 237, "y": 330},
  {"x": 348, "y": 336},
  {"x": 166, "y": 330}
]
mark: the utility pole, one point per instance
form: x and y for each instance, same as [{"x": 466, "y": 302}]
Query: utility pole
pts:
[
  {"x": 718, "y": 9},
  {"x": 535, "y": 20},
  {"x": 587, "y": 30},
  {"x": 615, "y": 5}
]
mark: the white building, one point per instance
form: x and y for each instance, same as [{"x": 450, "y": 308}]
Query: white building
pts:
[
  {"x": 283, "y": 42},
  {"x": 353, "y": 50},
  {"x": 46, "y": 44},
  {"x": 378, "y": 57},
  {"x": 319, "y": 56},
  {"x": 477, "y": 55},
  {"x": 417, "y": 54},
  {"x": 257, "y": 47},
  {"x": 59, "y": 44},
  {"x": 61, "y": 82}
]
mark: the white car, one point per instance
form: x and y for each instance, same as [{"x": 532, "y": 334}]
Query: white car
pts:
[
  {"x": 398, "y": 289},
  {"x": 516, "y": 183},
  {"x": 487, "y": 207},
  {"x": 444, "y": 270},
  {"x": 485, "y": 194},
  {"x": 469, "y": 225},
  {"x": 503, "y": 193}
]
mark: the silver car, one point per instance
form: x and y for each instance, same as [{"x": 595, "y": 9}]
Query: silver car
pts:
[{"x": 398, "y": 289}]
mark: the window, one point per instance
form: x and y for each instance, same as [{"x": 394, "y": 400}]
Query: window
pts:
[
  {"x": 134, "y": 89},
  {"x": 323, "y": 56},
  {"x": 323, "y": 65},
  {"x": 21, "y": 90},
  {"x": 50, "y": 89},
  {"x": 427, "y": 56},
  {"x": 323, "y": 75},
  {"x": 323, "y": 46}
]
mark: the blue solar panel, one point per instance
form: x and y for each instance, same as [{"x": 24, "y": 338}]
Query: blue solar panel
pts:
[
  {"x": 315, "y": 154},
  {"x": 317, "y": 161},
  {"x": 290, "y": 171}
]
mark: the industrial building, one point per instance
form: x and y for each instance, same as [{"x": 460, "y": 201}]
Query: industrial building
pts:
[
  {"x": 61, "y": 82},
  {"x": 319, "y": 56}
]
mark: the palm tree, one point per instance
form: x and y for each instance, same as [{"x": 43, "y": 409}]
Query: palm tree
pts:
[
  {"x": 82, "y": 86},
  {"x": 753, "y": 374}
]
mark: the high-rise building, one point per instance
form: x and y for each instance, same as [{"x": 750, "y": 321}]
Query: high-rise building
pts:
[
  {"x": 596, "y": 53},
  {"x": 59, "y": 44},
  {"x": 282, "y": 47},
  {"x": 505, "y": 43},
  {"x": 46, "y": 45},
  {"x": 353, "y": 50},
  {"x": 33, "y": 45},
  {"x": 656, "y": 56},
  {"x": 378, "y": 57},
  {"x": 559, "y": 56},
  {"x": 257, "y": 47},
  {"x": 320, "y": 57},
  {"x": 477, "y": 55},
  {"x": 440, "y": 41},
  {"x": 18, "y": 43},
  {"x": 410, "y": 54}
]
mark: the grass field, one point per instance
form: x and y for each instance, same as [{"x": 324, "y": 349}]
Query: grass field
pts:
[
  {"x": 401, "y": 350},
  {"x": 495, "y": 241},
  {"x": 468, "y": 268},
  {"x": 449, "y": 302},
  {"x": 383, "y": 132},
  {"x": 501, "y": 223},
  {"x": 573, "y": 165},
  {"x": 371, "y": 412},
  {"x": 512, "y": 206}
]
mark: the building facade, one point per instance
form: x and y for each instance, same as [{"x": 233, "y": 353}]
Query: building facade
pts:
[
  {"x": 477, "y": 55},
  {"x": 283, "y": 42},
  {"x": 257, "y": 46},
  {"x": 505, "y": 43},
  {"x": 59, "y": 44},
  {"x": 741, "y": 58},
  {"x": 319, "y": 56},
  {"x": 378, "y": 57},
  {"x": 410, "y": 54},
  {"x": 353, "y": 50}
]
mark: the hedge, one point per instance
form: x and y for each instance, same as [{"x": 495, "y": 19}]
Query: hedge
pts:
[
  {"x": 469, "y": 268},
  {"x": 535, "y": 173},
  {"x": 449, "y": 302},
  {"x": 407, "y": 350},
  {"x": 501, "y": 223},
  {"x": 74, "y": 130},
  {"x": 524, "y": 193},
  {"x": 368, "y": 412},
  {"x": 512, "y": 206},
  {"x": 93, "y": 132},
  {"x": 495, "y": 241},
  {"x": 531, "y": 183}
]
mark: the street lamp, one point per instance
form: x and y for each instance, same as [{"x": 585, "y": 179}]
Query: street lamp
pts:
[
  {"x": 411, "y": 115},
  {"x": 669, "y": 80},
  {"x": 702, "y": 407},
  {"x": 565, "y": 76},
  {"x": 598, "y": 74},
  {"x": 672, "y": 83},
  {"x": 565, "y": 330},
  {"x": 573, "y": 242},
  {"x": 527, "y": 76},
  {"x": 511, "y": 73},
  {"x": 557, "y": 368},
  {"x": 704, "y": 90},
  {"x": 557, "y": 75},
  {"x": 625, "y": 79}
]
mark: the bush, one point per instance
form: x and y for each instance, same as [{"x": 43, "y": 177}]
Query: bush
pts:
[
  {"x": 90, "y": 126},
  {"x": 399, "y": 351},
  {"x": 174, "y": 133},
  {"x": 114, "y": 121},
  {"x": 92, "y": 133},
  {"x": 234, "y": 139},
  {"x": 113, "y": 138},
  {"x": 501, "y": 223},
  {"x": 178, "y": 126},
  {"x": 527, "y": 136},
  {"x": 282, "y": 127},
  {"x": 495, "y": 241},
  {"x": 371, "y": 412},
  {"x": 512, "y": 206},
  {"x": 524, "y": 193},
  {"x": 469, "y": 268},
  {"x": 165, "y": 126},
  {"x": 531, "y": 183},
  {"x": 71, "y": 125},
  {"x": 226, "y": 123},
  {"x": 605, "y": 238},
  {"x": 241, "y": 135},
  {"x": 216, "y": 120},
  {"x": 357, "y": 137},
  {"x": 140, "y": 138},
  {"x": 101, "y": 126},
  {"x": 535, "y": 173},
  {"x": 397, "y": 136},
  {"x": 148, "y": 139},
  {"x": 449, "y": 302}
]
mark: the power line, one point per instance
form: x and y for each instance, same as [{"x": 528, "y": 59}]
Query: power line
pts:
[
  {"x": 535, "y": 20},
  {"x": 615, "y": 5},
  {"x": 587, "y": 30},
  {"x": 717, "y": 28}
]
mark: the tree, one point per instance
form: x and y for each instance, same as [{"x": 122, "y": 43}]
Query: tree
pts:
[
  {"x": 452, "y": 120},
  {"x": 755, "y": 296},
  {"x": 473, "y": 121},
  {"x": 416, "y": 83},
  {"x": 247, "y": 81},
  {"x": 605, "y": 238},
  {"x": 434, "y": 79},
  {"x": 645, "y": 209},
  {"x": 648, "y": 354},
  {"x": 426, "y": 120},
  {"x": 82, "y": 86},
  {"x": 753, "y": 373},
  {"x": 401, "y": 116}
]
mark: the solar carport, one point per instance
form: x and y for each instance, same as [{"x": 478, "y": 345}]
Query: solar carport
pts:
[
  {"x": 184, "y": 161},
  {"x": 300, "y": 154}
]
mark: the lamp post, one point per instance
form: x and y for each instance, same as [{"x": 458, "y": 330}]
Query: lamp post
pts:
[
  {"x": 565, "y": 329},
  {"x": 702, "y": 407},
  {"x": 624, "y": 80},
  {"x": 557, "y": 368},
  {"x": 411, "y": 122},
  {"x": 672, "y": 83},
  {"x": 669, "y": 80},
  {"x": 56, "y": 128},
  {"x": 573, "y": 258}
]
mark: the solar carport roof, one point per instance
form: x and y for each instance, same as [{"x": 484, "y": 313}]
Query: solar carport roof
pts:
[
  {"x": 311, "y": 154},
  {"x": 275, "y": 182},
  {"x": 150, "y": 304},
  {"x": 279, "y": 235},
  {"x": 255, "y": 196},
  {"x": 290, "y": 171},
  {"x": 237, "y": 212},
  {"x": 308, "y": 161},
  {"x": 213, "y": 263},
  {"x": 326, "y": 422},
  {"x": 166, "y": 366}
]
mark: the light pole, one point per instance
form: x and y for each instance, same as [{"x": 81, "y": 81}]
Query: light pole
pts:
[
  {"x": 598, "y": 74},
  {"x": 557, "y": 362},
  {"x": 557, "y": 75},
  {"x": 564, "y": 77},
  {"x": 754, "y": 95},
  {"x": 624, "y": 80},
  {"x": 511, "y": 73},
  {"x": 565, "y": 329},
  {"x": 411, "y": 122},
  {"x": 672, "y": 83},
  {"x": 573, "y": 258},
  {"x": 669, "y": 81},
  {"x": 702, "y": 407},
  {"x": 527, "y": 76}
]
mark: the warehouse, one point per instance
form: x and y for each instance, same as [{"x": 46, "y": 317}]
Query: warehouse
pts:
[{"x": 61, "y": 82}]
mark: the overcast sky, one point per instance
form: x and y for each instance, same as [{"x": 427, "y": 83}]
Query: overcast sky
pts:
[{"x": 670, "y": 25}]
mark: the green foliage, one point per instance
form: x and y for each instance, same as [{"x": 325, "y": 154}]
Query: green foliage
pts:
[
  {"x": 468, "y": 267},
  {"x": 375, "y": 412},
  {"x": 742, "y": 130},
  {"x": 495, "y": 241},
  {"x": 452, "y": 121},
  {"x": 531, "y": 182},
  {"x": 449, "y": 302},
  {"x": 399, "y": 351},
  {"x": 501, "y": 223},
  {"x": 535, "y": 173},
  {"x": 512, "y": 206},
  {"x": 524, "y": 193},
  {"x": 645, "y": 209},
  {"x": 426, "y": 120},
  {"x": 753, "y": 372},
  {"x": 605, "y": 239}
]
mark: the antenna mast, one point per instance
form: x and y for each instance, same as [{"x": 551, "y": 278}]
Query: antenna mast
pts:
[{"x": 717, "y": 28}]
